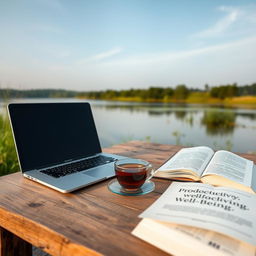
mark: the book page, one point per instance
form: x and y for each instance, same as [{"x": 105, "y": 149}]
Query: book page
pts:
[
  {"x": 195, "y": 159},
  {"x": 254, "y": 178},
  {"x": 220, "y": 243},
  {"x": 181, "y": 240},
  {"x": 220, "y": 209},
  {"x": 231, "y": 166}
]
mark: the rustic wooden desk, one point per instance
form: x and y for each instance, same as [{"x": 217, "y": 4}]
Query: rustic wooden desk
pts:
[{"x": 91, "y": 221}]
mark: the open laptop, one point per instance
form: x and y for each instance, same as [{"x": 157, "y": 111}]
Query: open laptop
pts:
[{"x": 58, "y": 145}]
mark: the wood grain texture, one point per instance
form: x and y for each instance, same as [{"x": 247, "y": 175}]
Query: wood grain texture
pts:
[
  {"x": 11, "y": 245},
  {"x": 91, "y": 221}
]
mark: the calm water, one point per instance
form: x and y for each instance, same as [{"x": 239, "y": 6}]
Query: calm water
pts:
[{"x": 228, "y": 128}]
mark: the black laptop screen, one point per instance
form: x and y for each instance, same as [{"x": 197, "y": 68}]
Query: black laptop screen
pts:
[{"x": 53, "y": 133}]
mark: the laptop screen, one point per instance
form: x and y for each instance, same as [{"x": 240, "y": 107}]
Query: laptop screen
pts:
[{"x": 51, "y": 133}]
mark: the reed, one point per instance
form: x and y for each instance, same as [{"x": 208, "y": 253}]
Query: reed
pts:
[{"x": 8, "y": 157}]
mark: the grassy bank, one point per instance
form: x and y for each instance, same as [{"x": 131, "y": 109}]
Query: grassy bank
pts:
[
  {"x": 202, "y": 97},
  {"x": 194, "y": 97},
  {"x": 241, "y": 100}
]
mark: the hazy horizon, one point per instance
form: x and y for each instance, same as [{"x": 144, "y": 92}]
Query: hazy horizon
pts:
[
  {"x": 117, "y": 89},
  {"x": 99, "y": 45}
]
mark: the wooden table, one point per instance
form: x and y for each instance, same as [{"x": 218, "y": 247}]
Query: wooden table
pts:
[{"x": 91, "y": 221}]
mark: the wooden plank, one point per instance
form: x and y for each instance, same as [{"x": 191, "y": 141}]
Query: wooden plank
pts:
[
  {"x": 11, "y": 245},
  {"x": 94, "y": 222},
  {"x": 48, "y": 240}
]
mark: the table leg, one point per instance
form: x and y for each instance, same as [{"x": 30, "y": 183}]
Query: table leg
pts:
[{"x": 12, "y": 245}]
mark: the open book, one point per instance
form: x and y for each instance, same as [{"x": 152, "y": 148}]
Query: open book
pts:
[
  {"x": 198, "y": 219},
  {"x": 222, "y": 168}
]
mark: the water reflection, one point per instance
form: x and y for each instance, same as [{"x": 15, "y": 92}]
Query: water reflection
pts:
[
  {"x": 155, "y": 112},
  {"x": 152, "y": 109},
  {"x": 219, "y": 122},
  {"x": 190, "y": 120},
  {"x": 180, "y": 114},
  {"x": 250, "y": 116}
]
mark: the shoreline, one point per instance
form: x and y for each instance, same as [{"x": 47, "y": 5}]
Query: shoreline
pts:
[
  {"x": 241, "y": 102},
  {"x": 248, "y": 102}
]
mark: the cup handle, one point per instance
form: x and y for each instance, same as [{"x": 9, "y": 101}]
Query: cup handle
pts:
[{"x": 151, "y": 174}]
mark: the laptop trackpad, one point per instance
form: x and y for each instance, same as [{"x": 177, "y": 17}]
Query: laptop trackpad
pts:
[{"x": 106, "y": 171}]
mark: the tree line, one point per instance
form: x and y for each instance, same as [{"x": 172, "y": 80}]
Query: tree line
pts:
[
  {"x": 37, "y": 93},
  {"x": 232, "y": 90},
  {"x": 158, "y": 93},
  {"x": 180, "y": 92}
]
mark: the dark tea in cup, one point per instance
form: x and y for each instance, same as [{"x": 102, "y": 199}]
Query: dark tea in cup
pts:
[{"x": 132, "y": 173}]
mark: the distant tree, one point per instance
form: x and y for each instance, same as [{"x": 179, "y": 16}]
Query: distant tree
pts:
[
  {"x": 214, "y": 92},
  {"x": 247, "y": 90},
  {"x": 169, "y": 92},
  {"x": 110, "y": 94},
  {"x": 224, "y": 91},
  {"x": 144, "y": 94},
  {"x": 232, "y": 90},
  {"x": 156, "y": 93},
  {"x": 181, "y": 92}
]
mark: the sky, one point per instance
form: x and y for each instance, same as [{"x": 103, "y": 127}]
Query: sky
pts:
[{"x": 121, "y": 44}]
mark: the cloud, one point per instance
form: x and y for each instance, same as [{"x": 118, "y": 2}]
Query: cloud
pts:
[
  {"x": 178, "y": 55},
  {"x": 107, "y": 54},
  {"x": 157, "y": 60},
  {"x": 101, "y": 56},
  {"x": 223, "y": 24},
  {"x": 86, "y": 62},
  {"x": 238, "y": 21}
]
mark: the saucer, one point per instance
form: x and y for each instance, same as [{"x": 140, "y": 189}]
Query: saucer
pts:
[{"x": 146, "y": 188}]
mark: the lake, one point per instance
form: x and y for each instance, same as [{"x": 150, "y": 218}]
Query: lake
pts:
[{"x": 190, "y": 124}]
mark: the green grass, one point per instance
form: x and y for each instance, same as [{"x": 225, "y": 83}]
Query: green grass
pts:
[
  {"x": 195, "y": 98},
  {"x": 8, "y": 157},
  {"x": 218, "y": 122}
]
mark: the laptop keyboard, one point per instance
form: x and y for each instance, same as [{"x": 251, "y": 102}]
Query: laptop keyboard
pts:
[{"x": 82, "y": 165}]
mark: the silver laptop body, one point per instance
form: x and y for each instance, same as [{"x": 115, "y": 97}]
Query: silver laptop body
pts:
[{"x": 55, "y": 140}]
